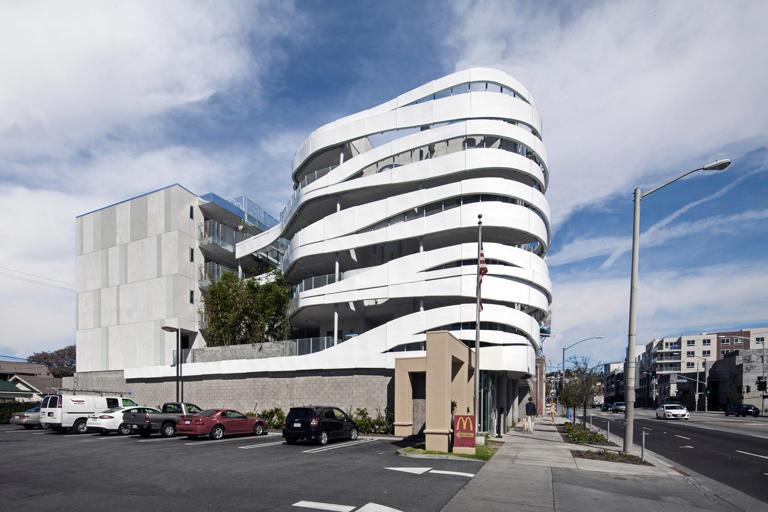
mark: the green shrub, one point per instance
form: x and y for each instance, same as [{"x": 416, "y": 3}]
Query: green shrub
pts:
[
  {"x": 579, "y": 434},
  {"x": 274, "y": 417}
]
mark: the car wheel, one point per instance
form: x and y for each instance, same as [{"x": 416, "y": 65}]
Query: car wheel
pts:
[
  {"x": 123, "y": 429},
  {"x": 217, "y": 432},
  {"x": 290, "y": 440},
  {"x": 323, "y": 439},
  {"x": 80, "y": 427},
  {"x": 353, "y": 434},
  {"x": 168, "y": 430},
  {"x": 258, "y": 429}
]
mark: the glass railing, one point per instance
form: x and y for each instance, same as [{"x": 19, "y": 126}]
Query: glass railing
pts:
[
  {"x": 210, "y": 272},
  {"x": 283, "y": 348},
  {"x": 212, "y": 232},
  {"x": 306, "y": 180}
]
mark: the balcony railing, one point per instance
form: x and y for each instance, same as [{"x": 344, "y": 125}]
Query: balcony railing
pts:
[
  {"x": 212, "y": 232},
  {"x": 306, "y": 180},
  {"x": 210, "y": 272}
]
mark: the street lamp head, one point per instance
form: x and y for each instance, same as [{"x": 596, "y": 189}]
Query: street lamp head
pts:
[
  {"x": 717, "y": 165},
  {"x": 168, "y": 328}
]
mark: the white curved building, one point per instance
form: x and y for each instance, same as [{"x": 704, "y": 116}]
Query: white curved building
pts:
[{"x": 383, "y": 229}]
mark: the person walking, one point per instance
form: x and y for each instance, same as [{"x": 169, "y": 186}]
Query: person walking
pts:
[
  {"x": 530, "y": 412},
  {"x": 552, "y": 407}
]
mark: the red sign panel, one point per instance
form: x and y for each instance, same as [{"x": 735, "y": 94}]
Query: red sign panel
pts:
[{"x": 464, "y": 430}]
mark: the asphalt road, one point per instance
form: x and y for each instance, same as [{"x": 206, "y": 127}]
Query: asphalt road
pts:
[
  {"x": 733, "y": 451},
  {"x": 45, "y": 471}
]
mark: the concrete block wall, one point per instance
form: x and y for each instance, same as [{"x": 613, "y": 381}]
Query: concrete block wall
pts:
[{"x": 347, "y": 389}]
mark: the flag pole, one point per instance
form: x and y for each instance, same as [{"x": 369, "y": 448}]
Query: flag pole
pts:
[{"x": 477, "y": 325}]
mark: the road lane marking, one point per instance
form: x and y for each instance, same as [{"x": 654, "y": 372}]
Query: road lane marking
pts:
[
  {"x": 155, "y": 440},
  {"x": 337, "y": 446},
  {"x": 683, "y": 437},
  {"x": 260, "y": 445},
  {"x": 456, "y": 473},
  {"x": 324, "y": 506},
  {"x": 689, "y": 447},
  {"x": 753, "y": 454},
  {"x": 375, "y": 507},
  {"x": 415, "y": 471}
]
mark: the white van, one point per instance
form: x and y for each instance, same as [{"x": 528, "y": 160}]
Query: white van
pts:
[{"x": 70, "y": 409}]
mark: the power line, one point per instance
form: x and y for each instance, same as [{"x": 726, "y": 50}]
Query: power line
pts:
[{"x": 53, "y": 283}]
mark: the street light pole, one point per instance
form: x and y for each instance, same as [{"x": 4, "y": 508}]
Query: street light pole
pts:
[
  {"x": 179, "y": 378},
  {"x": 562, "y": 368},
  {"x": 629, "y": 367}
]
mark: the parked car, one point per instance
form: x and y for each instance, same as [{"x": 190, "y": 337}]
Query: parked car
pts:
[
  {"x": 70, "y": 410},
  {"x": 672, "y": 411},
  {"x": 619, "y": 407},
  {"x": 216, "y": 423},
  {"x": 111, "y": 420},
  {"x": 606, "y": 407},
  {"x": 29, "y": 418},
  {"x": 319, "y": 424},
  {"x": 742, "y": 410},
  {"x": 145, "y": 423}
]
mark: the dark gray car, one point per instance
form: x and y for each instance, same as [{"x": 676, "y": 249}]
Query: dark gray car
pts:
[{"x": 319, "y": 424}]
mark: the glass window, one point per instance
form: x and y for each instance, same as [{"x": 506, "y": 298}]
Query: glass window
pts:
[
  {"x": 738, "y": 341},
  {"x": 689, "y": 365},
  {"x": 725, "y": 341},
  {"x": 45, "y": 402},
  {"x": 706, "y": 342},
  {"x": 127, "y": 402},
  {"x": 705, "y": 353},
  {"x": 191, "y": 255},
  {"x": 193, "y": 408},
  {"x": 690, "y": 353},
  {"x": 339, "y": 414},
  {"x": 192, "y": 212},
  {"x": 691, "y": 343},
  {"x": 191, "y": 296},
  {"x": 113, "y": 402}
]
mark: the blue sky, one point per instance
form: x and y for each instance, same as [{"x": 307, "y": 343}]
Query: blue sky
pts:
[{"x": 103, "y": 101}]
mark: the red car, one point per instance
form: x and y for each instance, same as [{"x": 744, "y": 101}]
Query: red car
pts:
[{"x": 217, "y": 423}]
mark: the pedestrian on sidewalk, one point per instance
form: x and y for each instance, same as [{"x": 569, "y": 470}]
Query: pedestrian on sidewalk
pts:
[
  {"x": 530, "y": 412},
  {"x": 552, "y": 410}
]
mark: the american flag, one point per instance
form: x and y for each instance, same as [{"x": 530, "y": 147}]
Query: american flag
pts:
[{"x": 482, "y": 269}]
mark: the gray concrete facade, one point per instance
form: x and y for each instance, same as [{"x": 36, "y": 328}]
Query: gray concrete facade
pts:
[{"x": 347, "y": 389}]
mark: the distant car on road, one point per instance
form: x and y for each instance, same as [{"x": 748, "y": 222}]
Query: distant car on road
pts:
[
  {"x": 619, "y": 407},
  {"x": 742, "y": 410},
  {"x": 606, "y": 407},
  {"x": 111, "y": 420},
  {"x": 145, "y": 423},
  {"x": 319, "y": 424},
  {"x": 29, "y": 418},
  {"x": 216, "y": 423},
  {"x": 672, "y": 411}
]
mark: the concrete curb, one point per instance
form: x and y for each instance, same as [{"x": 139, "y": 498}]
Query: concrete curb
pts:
[{"x": 436, "y": 456}]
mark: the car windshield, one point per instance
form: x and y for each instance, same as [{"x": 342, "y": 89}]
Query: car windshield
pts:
[
  {"x": 674, "y": 407},
  {"x": 301, "y": 413},
  {"x": 113, "y": 409}
]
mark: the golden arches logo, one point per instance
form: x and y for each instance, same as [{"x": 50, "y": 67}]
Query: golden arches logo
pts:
[{"x": 465, "y": 424}]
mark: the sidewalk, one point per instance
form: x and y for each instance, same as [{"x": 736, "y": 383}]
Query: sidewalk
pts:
[{"x": 536, "y": 472}]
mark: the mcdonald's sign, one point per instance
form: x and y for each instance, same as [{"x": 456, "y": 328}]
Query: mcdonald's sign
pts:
[{"x": 464, "y": 430}]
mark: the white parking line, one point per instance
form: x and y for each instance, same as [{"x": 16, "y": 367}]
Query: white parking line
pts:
[
  {"x": 324, "y": 506},
  {"x": 683, "y": 437},
  {"x": 200, "y": 443},
  {"x": 456, "y": 473},
  {"x": 341, "y": 445},
  {"x": 753, "y": 454},
  {"x": 259, "y": 445},
  {"x": 159, "y": 439},
  {"x": 9, "y": 431}
]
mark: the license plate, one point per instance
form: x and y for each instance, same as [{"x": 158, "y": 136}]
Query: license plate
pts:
[
  {"x": 186, "y": 422},
  {"x": 134, "y": 426},
  {"x": 297, "y": 425}
]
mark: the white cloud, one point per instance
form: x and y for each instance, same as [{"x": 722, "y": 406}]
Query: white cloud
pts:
[
  {"x": 629, "y": 91},
  {"x": 669, "y": 303}
]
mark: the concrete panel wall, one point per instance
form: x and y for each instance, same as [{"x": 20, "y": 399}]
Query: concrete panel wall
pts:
[{"x": 348, "y": 390}]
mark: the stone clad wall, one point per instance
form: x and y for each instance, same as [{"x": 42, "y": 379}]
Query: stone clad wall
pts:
[{"x": 347, "y": 389}]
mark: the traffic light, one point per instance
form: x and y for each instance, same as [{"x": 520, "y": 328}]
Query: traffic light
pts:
[{"x": 707, "y": 391}]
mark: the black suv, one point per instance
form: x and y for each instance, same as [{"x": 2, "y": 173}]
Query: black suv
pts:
[
  {"x": 742, "y": 410},
  {"x": 319, "y": 424}
]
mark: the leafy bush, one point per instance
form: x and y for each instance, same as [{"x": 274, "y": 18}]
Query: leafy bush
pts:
[
  {"x": 580, "y": 434},
  {"x": 381, "y": 424},
  {"x": 274, "y": 417},
  {"x": 8, "y": 408}
]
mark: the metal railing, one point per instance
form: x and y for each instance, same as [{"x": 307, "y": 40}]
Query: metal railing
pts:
[
  {"x": 210, "y": 272},
  {"x": 215, "y": 233}
]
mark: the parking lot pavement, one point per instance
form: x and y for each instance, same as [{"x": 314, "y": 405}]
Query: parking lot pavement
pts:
[{"x": 53, "y": 471}]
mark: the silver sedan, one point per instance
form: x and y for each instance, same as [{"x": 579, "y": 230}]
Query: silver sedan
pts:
[{"x": 672, "y": 411}]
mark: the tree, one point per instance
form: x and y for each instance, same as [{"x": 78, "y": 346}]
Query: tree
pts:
[
  {"x": 61, "y": 363},
  {"x": 240, "y": 311},
  {"x": 580, "y": 387}
]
